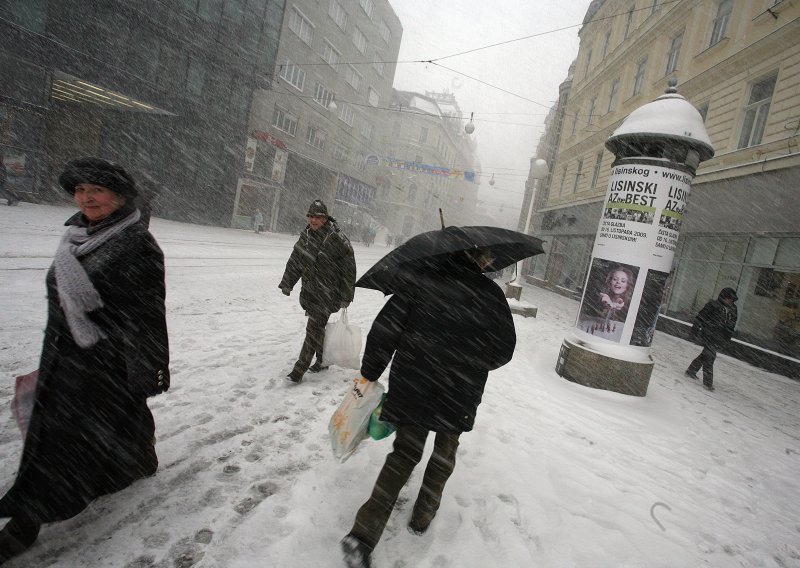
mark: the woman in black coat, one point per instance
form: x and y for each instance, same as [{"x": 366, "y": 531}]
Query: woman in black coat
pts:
[
  {"x": 105, "y": 351},
  {"x": 713, "y": 327},
  {"x": 446, "y": 332}
]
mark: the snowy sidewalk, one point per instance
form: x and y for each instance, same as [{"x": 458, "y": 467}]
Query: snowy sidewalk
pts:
[{"x": 554, "y": 474}]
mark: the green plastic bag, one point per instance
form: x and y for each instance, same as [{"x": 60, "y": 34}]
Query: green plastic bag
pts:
[{"x": 379, "y": 429}]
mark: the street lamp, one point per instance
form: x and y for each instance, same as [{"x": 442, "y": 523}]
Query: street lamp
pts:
[
  {"x": 332, "y": 106},
  {"x": 469, "y": 128},
  {"x": 539, "y": 171}
]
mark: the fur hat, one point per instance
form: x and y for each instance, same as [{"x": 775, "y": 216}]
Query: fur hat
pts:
[
  {"x": 317, "y": 207},
  {"x": 97, "y": 171}
]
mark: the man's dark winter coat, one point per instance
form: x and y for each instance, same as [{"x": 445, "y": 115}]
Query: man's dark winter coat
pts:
[
  {"x": 325, "y": 261},
  {"x": 716, "y": 322},
  {"x": 445, "y": 334},
  {"x": 91, "y": 431}
]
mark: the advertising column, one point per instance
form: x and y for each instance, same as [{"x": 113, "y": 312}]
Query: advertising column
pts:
[{"x": 633, "y": 252}]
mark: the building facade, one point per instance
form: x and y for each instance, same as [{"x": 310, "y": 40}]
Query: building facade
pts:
[
  {"x": 422, "y": 169},
  {"x": 738, "y": 62},
  {"x": 163, "y": 88},
  {"x": 322, "y": 115}
]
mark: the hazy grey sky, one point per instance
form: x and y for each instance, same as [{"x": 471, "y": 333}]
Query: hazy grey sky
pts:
[{"x": 507, "y": 127}]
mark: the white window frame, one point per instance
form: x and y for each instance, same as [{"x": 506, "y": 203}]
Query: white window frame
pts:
[
  {"x": 385, "y": 31},
  {"x": 638, "y": 78},
  {"x": 367, "y": 6},
  {"x": 719, "y": 28},
  {"x": 340, "y": 152},
  {"x": 359, "y": 40},
  {"x": 346, "y": 114},
  {"x": 612, "y": 94},
  {"x": 315, "y": 137},
  {"x": 330, "y": 54},
  {"x": 756, "y": 113},
  {"x": 578, "y": 175},
  {"x": 373, "y": 97},
  {"x": 323, "y": 96},
  {"x": 301, "y": 25},
  {"x": 284, "y": 120},
  {"x": 353, "y": 77},
  {"x": 338, "y": 14},
  {"x": 294, "y": 75},
  {"x": 674, "y": 53}
]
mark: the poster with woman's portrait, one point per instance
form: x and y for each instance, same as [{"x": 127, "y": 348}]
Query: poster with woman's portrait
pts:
[{"x": 606, "y": 302}]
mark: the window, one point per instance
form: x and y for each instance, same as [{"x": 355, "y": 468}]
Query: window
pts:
[
  {"x": 592, "y": 107},
  {"x": 361, "y": 161},
  {"x": 234, "y": 11},
  {"x": 282, "y": 120},
  {"x": 337, "y": 13},
  {"x": 301, "y": 26},
  {"x": 373, "y": 97},
  {"x": 574, "y": 123},
  {"x": 367, "y": 130},
  {"x": 577, "y": 176},
  {"x": 341, "y": 152},
  {"x": 196, "y": 77},
  {"x": 605, "y": 45},
  {"x": 674, "y": 53},
  {"x": 359, "y": 40},
  {"x": 315, "y": 137},
  {"x": 330, "y": 54},
  {"x": 628, "y": 22},
  {"x": 379, "y": 65},
  {"x": 209, "y": 10},
  {"x": 612, "y": 94},
  {"x": 703, "y": 110},
  {"x": 596, "y": 172},
  {"x": 322, "y": 95},
  {"x": 756, "y": 111},
  {"x": 563, "y": 178},
  {"x": 353, "y": 77},
  {"x": 653, "y": 7},
  {"x": 367, "y": 6},
  {"x": 386, "y": 33},
  {"x": 293, "y": 75},
  {"x": 720, "y": 27},
  {"x": 423, "y": 135},
  {"x": 638, "y": 79},
  {"x": 346, "y": 114},
  {"x": 588, "y": 64}
]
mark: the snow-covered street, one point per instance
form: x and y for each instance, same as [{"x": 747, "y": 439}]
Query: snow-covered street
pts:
[{"x": 554, "y": 474}]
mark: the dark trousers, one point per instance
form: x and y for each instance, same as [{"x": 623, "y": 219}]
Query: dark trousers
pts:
[
  {"x": 406, "y": 453},
  {"x": 705, "y": 361},
  {"x": 315, "y": 338}
]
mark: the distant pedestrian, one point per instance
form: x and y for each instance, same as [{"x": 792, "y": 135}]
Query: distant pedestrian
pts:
[
  {"x": 713, "y": 327},
  {"x": 148, "y": 193},
  {"x": 324, "y": 259},
  {"x": 9, "y": 194},
  {"x": 442, "y": 337},
  {"x": 258, "y": 221}
]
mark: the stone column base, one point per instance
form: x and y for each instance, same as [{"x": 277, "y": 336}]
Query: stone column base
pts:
[{"x": 580, "y": 365}]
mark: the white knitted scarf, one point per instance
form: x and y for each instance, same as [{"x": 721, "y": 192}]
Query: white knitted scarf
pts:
[{"x": 76, "y": 292}]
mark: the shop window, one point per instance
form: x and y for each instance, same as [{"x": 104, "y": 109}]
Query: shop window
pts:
[
  {"x": 788, "y": 254},
  {"x": 768, "y": 282}
]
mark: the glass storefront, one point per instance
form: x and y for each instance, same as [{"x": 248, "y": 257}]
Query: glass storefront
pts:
[{"x": 765, "y": 271}]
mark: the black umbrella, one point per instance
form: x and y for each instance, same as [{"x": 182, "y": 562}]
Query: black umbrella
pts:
[{"x": 429, "y": 249}]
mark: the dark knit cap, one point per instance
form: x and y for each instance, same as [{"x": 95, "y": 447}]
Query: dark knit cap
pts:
[
  {"x": 317, "y": 207},
  {"x": 97, "y": 171},
  {"x": 728, "y": 293}
]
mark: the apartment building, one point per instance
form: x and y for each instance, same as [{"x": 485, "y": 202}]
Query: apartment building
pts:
[
  {"x": 738, "y": 62},
  {"x": 314, "y": 126},
  {"x": 164, "y": 88}
]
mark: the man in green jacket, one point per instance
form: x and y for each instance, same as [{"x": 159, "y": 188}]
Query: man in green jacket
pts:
[{"x": 324, "y": 259}]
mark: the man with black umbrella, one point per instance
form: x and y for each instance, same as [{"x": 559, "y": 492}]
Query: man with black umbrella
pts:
[
  {"x": 324, "y": 259},
  {"x": 442, "y": 335}
]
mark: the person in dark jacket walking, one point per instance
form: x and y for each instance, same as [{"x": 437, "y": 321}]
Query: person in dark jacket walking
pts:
[
  {"x": 713, "y": 327},
  {"x": 324, "y": 259},
  {"x": 105, "y": 351},
  {"x": 442, "y": 338}
]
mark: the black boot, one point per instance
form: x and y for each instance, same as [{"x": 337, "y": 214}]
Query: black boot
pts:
[
  {"x": 17, "y": 537},
  {"x": 356, "y": 553}
]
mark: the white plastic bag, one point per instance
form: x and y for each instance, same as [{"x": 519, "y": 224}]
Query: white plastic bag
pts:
[
  {"x": 350, "y": 423},
  {"x": 342, "y": 346}
]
